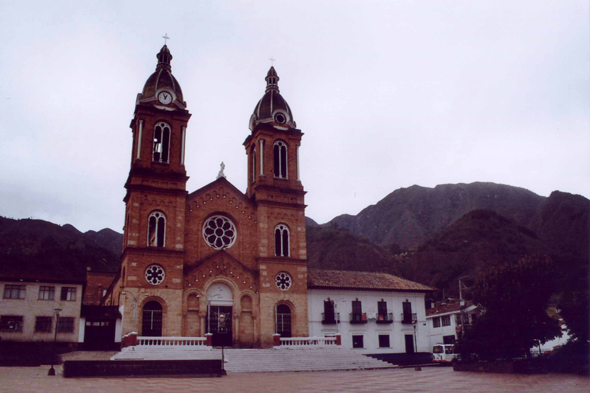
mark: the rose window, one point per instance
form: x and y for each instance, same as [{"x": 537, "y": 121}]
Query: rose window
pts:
[
  {"x": 219, "y": 232},
  {"x": 155, "y": 274},
  {"x": 283, "y": 281}
]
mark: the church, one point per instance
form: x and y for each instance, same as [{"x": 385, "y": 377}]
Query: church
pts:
[{"x": 234, "y": 264}]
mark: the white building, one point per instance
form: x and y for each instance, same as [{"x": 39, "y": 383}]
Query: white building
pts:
[
  {"x": 28, "y": 309},
  {"x": 375, "y": 313},
  {"x": 447, "y": 321}
]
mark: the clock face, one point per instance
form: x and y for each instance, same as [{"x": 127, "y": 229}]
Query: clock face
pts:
[{"x": 165, "y": 97}]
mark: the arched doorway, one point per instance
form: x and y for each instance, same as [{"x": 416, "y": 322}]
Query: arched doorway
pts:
[
  {"x": 219, "y": 314},
  {"x": 283, "y": 320},
  {"x": 152, "y": 319}
]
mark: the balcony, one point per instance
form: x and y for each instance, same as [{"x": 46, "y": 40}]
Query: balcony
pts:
[
  {"x": 384, "y": 318},
  {"x": 409, "y": 318},
  {"x": 330, "y": 318},
  {"x": 358, "y": 318}
]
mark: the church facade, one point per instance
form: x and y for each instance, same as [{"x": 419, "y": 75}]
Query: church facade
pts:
[
  {"x": 214, "y": 260},
  {"x": 234, "y": 264}
]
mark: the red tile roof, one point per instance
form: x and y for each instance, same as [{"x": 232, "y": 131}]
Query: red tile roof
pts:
[
  {"x": 318, "y": 278},
  {"x": 449, "y": 307}
]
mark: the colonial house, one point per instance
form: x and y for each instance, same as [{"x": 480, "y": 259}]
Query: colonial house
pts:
[
  {"x": 32, "y": 307},
  {"x": 448, "y": 320},
  {"x": 373, "y": 312}
]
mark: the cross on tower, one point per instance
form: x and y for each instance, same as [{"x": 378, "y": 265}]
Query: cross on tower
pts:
[
  {"x": 272, "y": 61},
  {"x": 166, "y": 38}
]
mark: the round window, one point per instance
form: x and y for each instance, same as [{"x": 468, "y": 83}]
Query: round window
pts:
[
  {"x": 155, "y": 274},
  {"x": 283, "y": 281},
  {"x": 219, "y": 232},
  {"x": 280, "y": 118}
]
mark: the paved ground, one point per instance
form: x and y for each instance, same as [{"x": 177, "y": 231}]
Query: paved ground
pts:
[{"x": 431, "y": 379}]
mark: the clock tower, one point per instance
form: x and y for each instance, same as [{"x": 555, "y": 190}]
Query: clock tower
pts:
[{"x": 153, "y": 243}]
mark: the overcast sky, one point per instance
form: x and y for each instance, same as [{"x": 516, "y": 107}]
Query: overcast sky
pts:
[{"x": 388, "y": 94}]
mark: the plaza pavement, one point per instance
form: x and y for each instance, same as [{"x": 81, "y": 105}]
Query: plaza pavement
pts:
[{"x": 430, "y": 379}]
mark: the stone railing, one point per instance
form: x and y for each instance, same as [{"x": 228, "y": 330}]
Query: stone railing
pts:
[
  {"x": 301, "y": 342},
  {"x": 172, "y": 341}
]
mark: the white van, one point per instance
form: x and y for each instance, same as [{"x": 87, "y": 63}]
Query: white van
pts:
[{"x": 443, "y": 353}]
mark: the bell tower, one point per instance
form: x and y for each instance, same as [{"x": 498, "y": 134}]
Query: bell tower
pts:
[
  {"x": 153, "y": 242},
  {"x": 274, "y": 186}
]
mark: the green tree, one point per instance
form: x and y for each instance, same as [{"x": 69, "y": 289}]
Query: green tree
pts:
[{"x": 514, "y": 298}]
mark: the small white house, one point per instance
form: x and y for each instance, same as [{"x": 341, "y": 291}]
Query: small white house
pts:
[
  {"x": 375, "y": 313},
  {"x": 447, "y": 320}
]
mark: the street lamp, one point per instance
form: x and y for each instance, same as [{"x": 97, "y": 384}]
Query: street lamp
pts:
[
  {"x": 135, "y": 298},
  {"x": 57, "y": 311},
  {"x": 209, "y": 311}
]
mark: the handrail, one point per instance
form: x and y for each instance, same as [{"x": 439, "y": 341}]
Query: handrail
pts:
[
  {"x": 307, "y": 341},
  {"x": 172, "y": 341}
]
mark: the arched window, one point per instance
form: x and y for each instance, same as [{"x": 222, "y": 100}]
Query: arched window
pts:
[
  {"x": 157, "y": 229},
  {"x": 282, "y": 241},
  {"x": 161, "y": 143},
  {"x": 280, "y": 159},
  {"x": 283, "y": 323},
  {"x": 253, "y": 154}
]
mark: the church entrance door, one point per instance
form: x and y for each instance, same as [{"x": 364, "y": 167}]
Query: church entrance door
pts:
[
  {"x": 220, "y": 326},
  {"x": 219, "y": 321},
  {"x": 152, "y": 320}
]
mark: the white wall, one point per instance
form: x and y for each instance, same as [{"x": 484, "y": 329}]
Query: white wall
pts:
[
  {"x": 370, "y": 330},
  {"x": 436, "y": 334},
  {"x": 31, "y": 307}
]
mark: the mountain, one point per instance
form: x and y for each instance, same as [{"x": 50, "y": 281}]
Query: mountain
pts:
[
  {"x": 337, "y": 249},
  {"x": 107, "y": 238},
  {"x": 35, "y": 247},
  {"x": 410, "y": 216},
  {"x": 563, "y": 221},
  {"x": 478, "y": 240}
]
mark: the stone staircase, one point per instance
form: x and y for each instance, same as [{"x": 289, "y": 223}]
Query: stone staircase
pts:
[{"x": 264, "y": 360}]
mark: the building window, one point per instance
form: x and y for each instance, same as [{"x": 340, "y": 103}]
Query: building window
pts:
[
  {"x": 407, "y": 317},
  {"x": 283, "y": 281},
  {"x": 157, "y": 230},
  {"x": 357, "y": 341},
  {"x": 14, "y": 291},
  {"x": 161, "y": 143},
  {"x": 155, "y": 274},
  {"x": 68, "y": 293},
  {"x": 357, "y": 315},
  {"x": 329, "y": 316},
  {"x": 43, "y": 324},
  {"x": 384, "y": 341},
  {"x": 46, "y": 292},
  {"x": 253, "y": 154},
  {"x": 449, "y": 339},
  {"x": 446, "y": 320},
  {"x": 65, "y": 325},
  {"x": 219, "y": 232},
  {"x": 282, "y": 241},
  {"x": 280, "y": 160},
  {"x": 436, "y": 322},
  {"x": 11, "y": 323}
]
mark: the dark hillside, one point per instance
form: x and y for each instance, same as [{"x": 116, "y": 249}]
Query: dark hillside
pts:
[
  {"x": 337, "y": 249},
  {"x": 478, "y": 240},
  {"x": 37, "y": 248},
  {"x": 107, "y": 238}
]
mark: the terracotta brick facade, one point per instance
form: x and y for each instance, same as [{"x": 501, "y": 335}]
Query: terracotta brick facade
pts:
[{"x": 243, "y": 274}]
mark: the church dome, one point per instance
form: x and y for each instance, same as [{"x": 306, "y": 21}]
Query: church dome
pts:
[
  {"x": 272, "y": 107},
  {"x": 162, "y": 78}
]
